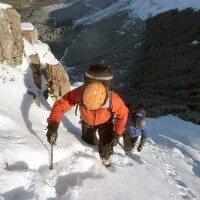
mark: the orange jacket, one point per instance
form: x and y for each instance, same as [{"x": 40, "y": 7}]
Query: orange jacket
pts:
[{"x": 93, "y": 118}]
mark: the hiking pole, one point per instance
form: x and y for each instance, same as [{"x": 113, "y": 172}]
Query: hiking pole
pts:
[
  {"x": 53, "y": 141},
  {"x": 121, "y": 145},
  {"x": 111, "y": 144}
]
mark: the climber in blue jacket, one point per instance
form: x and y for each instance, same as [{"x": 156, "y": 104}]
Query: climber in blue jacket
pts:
[{"x": 135, "y": 126}]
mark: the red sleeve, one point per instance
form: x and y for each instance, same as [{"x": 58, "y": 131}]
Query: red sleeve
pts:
[
  {"x": 64, "y": 104},
  {"x": 121, "y": 112}
]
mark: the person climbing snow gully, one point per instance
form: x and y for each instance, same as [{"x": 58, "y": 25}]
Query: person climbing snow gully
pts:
[
  {"x": 135, "y": 126},
  {"x": 98, "y": 105}
]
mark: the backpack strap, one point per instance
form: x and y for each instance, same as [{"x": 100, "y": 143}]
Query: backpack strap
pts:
[
  {"x": 76, "y": 109},
  {"x": 110, "y": 100},
  {"x": 80, "y": 102}
]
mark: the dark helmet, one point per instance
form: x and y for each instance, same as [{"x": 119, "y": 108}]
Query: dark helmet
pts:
[
  {"x": 99, "y": 72},
  {"x": 140, "y": 123}
]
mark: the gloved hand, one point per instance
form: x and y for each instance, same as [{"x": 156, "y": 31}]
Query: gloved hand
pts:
[
  {"x": 52, "y": 132},
  {"x": 115, "y": 139},
  {"x": 139, "y": 148}
]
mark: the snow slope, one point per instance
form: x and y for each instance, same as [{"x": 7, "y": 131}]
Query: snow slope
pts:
[
  {"x": 167, "y": 168},
  {"x": 142, "y": 8}
]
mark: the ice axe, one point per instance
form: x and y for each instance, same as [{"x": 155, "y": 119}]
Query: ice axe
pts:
[{"x": 53, "y": 142}]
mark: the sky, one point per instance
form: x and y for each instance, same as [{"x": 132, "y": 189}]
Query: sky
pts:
[{"x": 167, "y": 168}]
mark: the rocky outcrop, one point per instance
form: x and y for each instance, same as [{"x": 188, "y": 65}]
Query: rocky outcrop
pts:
[
  {"x": 14, "y": 36},
  {"x": 56, "y": 77},
  {"x": 58, "y": 80},
  {"x": 35, "y": 66},
  {"x": 30, "y": 35},
  {"x": 11, "y": 43}
]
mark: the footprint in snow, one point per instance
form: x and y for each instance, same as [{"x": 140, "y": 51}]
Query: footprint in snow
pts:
[
  {"x": 185, "y": 192},
  {"x": 138, "y": 158},
  {"x": 127, "y": 161}
]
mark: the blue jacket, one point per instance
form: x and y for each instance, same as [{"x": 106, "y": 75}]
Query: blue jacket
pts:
[{"x": 130, "y": 126}]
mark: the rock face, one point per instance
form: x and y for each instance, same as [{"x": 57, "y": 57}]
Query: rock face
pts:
[
  {"x": 35, "y": 66},
  {"x": 11, "y": 43},
  {"x": 58, "y": 80},
  {"x": 12, "y": 51},
  {"x": 31, "y": 35}
]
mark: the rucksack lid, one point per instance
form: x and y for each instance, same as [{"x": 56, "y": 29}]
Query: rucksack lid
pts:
[
  {"x": 97, "y": 73},
  {"x": 94, "y": 96}
]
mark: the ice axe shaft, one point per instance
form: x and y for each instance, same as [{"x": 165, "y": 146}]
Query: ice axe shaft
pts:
[
  {"x": 53, "y": 142},
  {"x": 51, "y": 157}
]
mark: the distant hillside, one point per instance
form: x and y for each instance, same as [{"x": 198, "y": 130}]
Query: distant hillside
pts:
[
  {"x": 166, "y": 76},
  {"x": 23, "y": 4}
]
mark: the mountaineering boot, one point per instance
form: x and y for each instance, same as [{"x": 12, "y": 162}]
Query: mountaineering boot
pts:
[
  {"x": 106, "y": 161},
  {"x": 127, "y": 151}
]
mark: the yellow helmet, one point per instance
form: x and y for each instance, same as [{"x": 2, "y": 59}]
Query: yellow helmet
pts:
[{"x": 94, "y": 96}]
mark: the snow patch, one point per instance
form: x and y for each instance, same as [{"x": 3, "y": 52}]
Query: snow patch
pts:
[
  {"x": 28, "y": 48},
  {"x": 5, "y": 6},
  {"x": 45, "y": 54},
  {"x": 27, "y": 26},
  {"x": 195, "y": 42},
  {"x": 143, "y": 9}
]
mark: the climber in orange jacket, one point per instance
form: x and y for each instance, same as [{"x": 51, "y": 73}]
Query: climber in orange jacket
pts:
[{"x": 97, "y": 105}]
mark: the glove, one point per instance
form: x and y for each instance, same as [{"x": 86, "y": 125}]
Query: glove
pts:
[
  {"x": 139, "y": 148},
  {"x": 115, "y": 139},
  {"x": 52, "y": 132}
]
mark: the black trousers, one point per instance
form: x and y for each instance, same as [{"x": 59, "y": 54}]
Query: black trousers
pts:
[
  {"x": 105, "y": 133},
  {"x": 129, "y": 143}
]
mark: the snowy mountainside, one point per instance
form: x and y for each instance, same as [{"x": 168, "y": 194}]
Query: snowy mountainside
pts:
[
  {"x": 143, "y": 9},
  {"x": 159, "y": 171}
]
